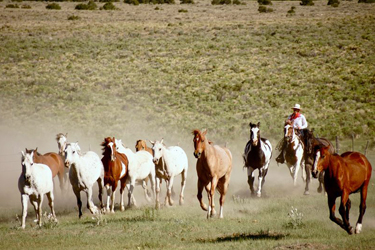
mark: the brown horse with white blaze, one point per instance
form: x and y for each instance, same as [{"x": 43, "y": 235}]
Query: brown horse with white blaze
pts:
[
  {"x": 214, "y": 166},
  {"x": 344, "y": 174},
  {"x": 55, "y": 162}
]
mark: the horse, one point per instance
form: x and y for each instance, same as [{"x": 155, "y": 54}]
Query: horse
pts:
[
  {"x": 61, "y": 143},
  {"x": 345, "y": 174},
  {"x": 141, "y": 168},
  {"x": 311, "y": 143},
  {"x": 175, "y": 162},
  {"x": 34, "y": 182},
  {"x": 214, "y": 167},
  {"x": 141, "y": 145},
  {"x": 55, "y": 162},
  {"x": 116, "y": 167},
  {"x": 258, "y": 152},
  {"x": 294, "y": 151},
  {"x": 84, "y": 170}
]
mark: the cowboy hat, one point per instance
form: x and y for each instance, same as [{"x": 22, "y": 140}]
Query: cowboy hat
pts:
[{"x": 297, "y": 106}]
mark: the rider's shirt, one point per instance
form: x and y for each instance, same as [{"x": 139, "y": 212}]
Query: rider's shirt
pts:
[{"x": 299, "y": 121}]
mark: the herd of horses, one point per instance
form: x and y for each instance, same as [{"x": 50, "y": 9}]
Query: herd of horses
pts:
[{"x": 340, "y": 175}]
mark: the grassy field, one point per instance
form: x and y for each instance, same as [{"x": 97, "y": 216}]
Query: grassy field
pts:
[{"x": 152, "y": 72}]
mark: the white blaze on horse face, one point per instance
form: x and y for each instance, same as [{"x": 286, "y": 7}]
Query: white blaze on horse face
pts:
[
  {"x": 157, "y": 148},
  {"x": 112, "y": 151},
  {"x": 255, "y": 138},
  {"x": 317, "y": 157}
]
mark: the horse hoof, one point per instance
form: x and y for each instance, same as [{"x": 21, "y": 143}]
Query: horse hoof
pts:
[
  {"x": 306, "y": 193},
  {"x": 259, "y": 195},
  {"x": 358, "y": 228}
]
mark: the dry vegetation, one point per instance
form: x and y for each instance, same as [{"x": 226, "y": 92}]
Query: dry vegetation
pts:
[{"x": 153, "y": 71}]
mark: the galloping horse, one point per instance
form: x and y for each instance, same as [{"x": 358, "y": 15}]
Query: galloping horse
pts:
[
  {"x": 293, "y": 151},
  {"x": 176, "y": 162},
  {"x": 61, "y": 143},
  {"x": 258, "y": 152},
  {"x": 311, "y": 143},
  {"x": 116, "y": 167},
  {"x": 34, "y": 182},
  {"x": 141, "y": 169},
  {"x": 55, "y": 162},
  {"x": 214, "y": 166},
  {"x": 344, "y": 175},
  {"x": 84, "y": 170}
]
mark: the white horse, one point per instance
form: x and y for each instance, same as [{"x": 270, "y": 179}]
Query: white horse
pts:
[
  {"x": 61, "y": 143},
  {"x": 84, "y": 171},
  {"x": 175, "y": 163},
  {"x": 293, "y": 153},
  {"x": 141, "y": 168},
  {"x": 34, "y": 182}
]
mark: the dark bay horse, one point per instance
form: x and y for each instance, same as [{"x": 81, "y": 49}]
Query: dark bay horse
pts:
[
  {"x": 116, "y": 167},
  {"x": 311, "y": 144},
  {"x": 55, "y": 162},
  {"x": 214, "y": 167},
  {"x": 258, "y": 152},
  {"x": 344, "y": 174}
]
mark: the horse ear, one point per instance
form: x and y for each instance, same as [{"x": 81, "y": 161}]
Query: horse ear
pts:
[
  {"x": 250, "y": 124},
  {"x": 152, "y": 142},
  {"x": 36, "y": 149},
  {"x": 162, "y": 139},
  {"x": 258, "y": 124},
  {"x": 204, "y": 132},
  {"x": 23, "y": 154}
]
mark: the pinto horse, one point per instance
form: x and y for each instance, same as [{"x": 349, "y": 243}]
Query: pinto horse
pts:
[
  {"x": 116, "y": 167},
  {"x": 258, "y": 152},
  {"x": 311, "y": 143},
  {"x": 214, "y": 167},
  {"x": 61, "y": 143},
  {"x": 293, "y": 151},
  {"x": 345, "y": 174},
  {"x": 55, "y": 162}
]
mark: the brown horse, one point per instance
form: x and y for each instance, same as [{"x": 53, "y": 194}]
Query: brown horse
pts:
[
  {"x": 214, "y": 166},
  {"x": 55, "y": 162},
  {"x": 141, "y": 145},
  {"x": 344, "y": 174},
  {"x": 115, "y": 170}
]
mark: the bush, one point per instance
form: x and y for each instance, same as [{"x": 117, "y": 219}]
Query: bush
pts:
[
  {"x": 307, "y": 2},
  {"x": 187, "y": 2},
  {"x": 53, "y": 6},
  {"x": 333, "y": 3},
  {"x": 221, "y": 2},
  {"x": 366, "y": 1},
  {"x": 25, "y": 6},
  {"x": 136, "y": 2},
  {"x": 264, "y": 9},
  {"x": 291, "y": 12},
  {"x": 72, "y": 18},
  {"x": 264, "y": 2},
  {"x": 109, "y": 6},
  {"x": 89, "y": 6},
  {"x": 13, "y": 6},
  {"x": 182, "y": 10}
]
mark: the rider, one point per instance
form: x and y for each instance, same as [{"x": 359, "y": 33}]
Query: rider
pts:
[{"x": 299, "y": 122}]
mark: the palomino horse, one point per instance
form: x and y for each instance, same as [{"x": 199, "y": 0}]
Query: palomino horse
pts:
[
  {"x": 258, "y": 152},
  {"x": 116, "y": 167},
  {"x": 176, "y": 162},
  {"x": 141, "y": 169},
  {"x": 55, "y": 162},
  {"x": 214, "y": 166},
  {"x": 34, "y": 182},
  {"x": 293, "y": 151},
  {"x": 311, "y": 143},
  {"x": 344, "y": 175},
  {"x": 84, "y": 170}
]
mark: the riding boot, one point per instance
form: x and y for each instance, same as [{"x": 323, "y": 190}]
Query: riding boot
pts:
[{"x": 280, "y": 159}]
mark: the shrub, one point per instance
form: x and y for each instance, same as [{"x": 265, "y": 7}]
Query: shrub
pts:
[
  {"x": 89, "y": 6},
  {"x": 307, "y": 2},
  {"x": 53, "y": 6},
  {"x": 264, "y": 9},
  {"x": 14, "y": 6},
  {"x": 291, "y": 12},
  {"x": 25, "y": 6},
  {"x": 182, "y": 10},
  {"x": 366, "y": 1},
  {"x": 109, "y": 6},
  {"x": 187, "y": 2},
  {"x": 220, "y": 2},
  {"x": 72, "y": 18},
  {"x": 134, "y": 2},
  {"x": 333, "y": 3},
  {"x": 264, "y": 2}
]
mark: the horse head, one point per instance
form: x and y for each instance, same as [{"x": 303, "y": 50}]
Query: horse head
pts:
[
  {"x": 157, "y": 148},
  {"x": 140, "y": 145},
  {"x": 321, "y": 160},
  {"x": 61, "y": 142},
  {"x": 199, "y": 142},
  {"x": 289, "y": 132},
  {"x": 71, "y": 153},
  {"x": 27, "y": 162},
  {"x": 109, "y": 147},
  {"x": 254, "y": 133}
]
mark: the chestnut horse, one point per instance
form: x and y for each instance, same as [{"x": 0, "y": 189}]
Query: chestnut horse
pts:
[
  {"x": 311, "y": 143},
  {"x": 344, "y": 174},
  {"x": 214, "y": 166},
  {"x": 115, "y": 169},
  {"x": 55, "y": 162}
]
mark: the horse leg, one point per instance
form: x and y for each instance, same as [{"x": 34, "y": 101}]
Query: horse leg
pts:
[
  {"x": 250, "y": 179},
  {"x": 90, "y": 205},
  {"x": 169, "y": 190},
  {"x": 145, "y": 190},
  {"x": 261, "y": 180},
  {"x": 130, "y": 187},
  {"x": 24, "y": 202},
  {"x": 308, "y": 179},
  {"x": 113, "y": 197},
  {"x": 362, "y": 208},
  {"x": 183, "y": 184},
  {"x": 211, "y": 198},
  {"x": 157, "y": 193},
  {"x": 100, "y": 195},
  {"x": 40, "y": 202},
  {"x": 122, "y": 188},
  {"x": 321, "y": 182},
  {"x": 109, "y": 195},
  {"x": 223, "y": 188},
  {"x": 199, "y": 195},
  {"x": 344, "y": 211},
  {"x": 79, "y": 202},
  {"x": 51, "y": 198}
]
